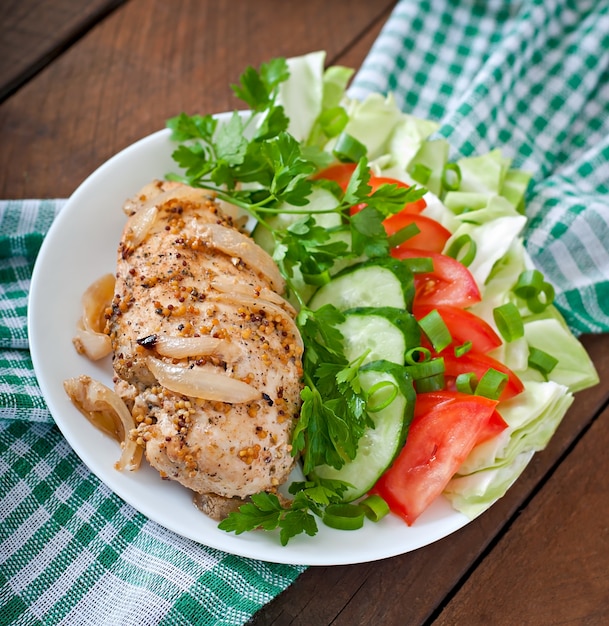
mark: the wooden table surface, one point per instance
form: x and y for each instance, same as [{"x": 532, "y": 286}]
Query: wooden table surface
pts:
[{"x": 81, "y": 80}]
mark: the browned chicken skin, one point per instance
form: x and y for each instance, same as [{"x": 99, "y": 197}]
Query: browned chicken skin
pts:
[{"x": 206, "y": 353}]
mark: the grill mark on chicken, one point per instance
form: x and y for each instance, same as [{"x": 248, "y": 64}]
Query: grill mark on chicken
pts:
[{"x": 165, "y": 287}]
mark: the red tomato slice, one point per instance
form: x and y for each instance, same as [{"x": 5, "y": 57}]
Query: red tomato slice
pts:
[
  {"x": 432, "y": 236},
  {"x": 463, "y": 326},
  {"x": 449, "y": 283},
  {"x": 445, "y": 428},
  {"x": 479, "y": 364}
]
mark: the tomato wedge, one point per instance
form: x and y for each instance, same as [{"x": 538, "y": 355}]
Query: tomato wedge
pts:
[
  {"x": 479, "y": 364},
  {"x": 450, "y": 282},
  {"x": 445, "y": 428},
  {"x": 463, "y": 326}
]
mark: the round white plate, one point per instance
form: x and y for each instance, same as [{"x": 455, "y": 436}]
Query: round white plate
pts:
[{"x": 79, "y": 248}]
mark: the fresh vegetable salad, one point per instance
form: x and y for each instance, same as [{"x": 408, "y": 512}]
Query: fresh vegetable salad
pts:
[{"x": 435, "y": 362}]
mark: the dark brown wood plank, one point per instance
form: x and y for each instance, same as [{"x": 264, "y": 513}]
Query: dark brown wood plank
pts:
[
  {"x": 409, "y": 589},
  {"x": 552, "y": 566},
  {"x": 146, "y": 62},
  {"x": 34, "y": 32}
]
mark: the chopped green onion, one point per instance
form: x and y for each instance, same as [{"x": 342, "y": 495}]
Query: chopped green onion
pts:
[
  {"x": 467, "y": 383},
  {"x": 333, "y": 121},
  {"x": 344, "y": 516},
  {"x": 509, "y": 322},
  {"x": 529, "y": 284},
  {"x": 425, "y": 369},
  {"x": 375, "y": 389},
  {"x": 541, "y": 361},
  {"x": 463, "y": 242},
  {"x": 420, "y": 265},
  {"x": 436, "y": 330},
  {"x": 430, "y": 383},
  {"x": 531, "y": 287},
  {"x": 421, "y": 173},
  {"x": 464, "y": 348},
  {"x": 491, "y": 384},
  {"x": 317, "y": 279},
  {"x": 403, "y": 235},
  {"x": 543, "y": 299},
  {"x": 451, "y": 177},
  {"x": 375, "y": 508},
  {"x": 348, "y": 149},
  {"x": 417, "y": 355}
]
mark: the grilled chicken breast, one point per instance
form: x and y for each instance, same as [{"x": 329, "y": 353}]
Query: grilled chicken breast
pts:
[{"x": 206, "y": 353}]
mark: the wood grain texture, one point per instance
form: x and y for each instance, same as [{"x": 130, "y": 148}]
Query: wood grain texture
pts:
[
  {"x": 552, "y": 566},
  {"x": 34, "y": 32},
  {"x": 410, "y": 589},
  {"x": 149, "y": 61}
]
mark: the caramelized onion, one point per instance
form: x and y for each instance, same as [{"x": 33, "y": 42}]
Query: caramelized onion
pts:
[
  {"x": 90, "y": 339},
  {"x": 199, "y": 383},
  {"x": 183, "y": 347},
  {"x": 252, "y": 291},
  {"x": 138, "y": 226},
  {"x": 106, "y": 410},
  {"x": 234, "y": 243}
]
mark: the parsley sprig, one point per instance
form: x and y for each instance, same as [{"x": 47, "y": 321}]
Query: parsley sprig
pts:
[{"x": 253, "y": 162}]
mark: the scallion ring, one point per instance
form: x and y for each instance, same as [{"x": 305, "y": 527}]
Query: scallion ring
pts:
[
  {"x": 333, "y": 121},
  {"x": 492, "y": 384},
  {"x": 467, "y": 383},
  {"x": 509, "y": 322},
  {"x": 436, "y": 330},
  {"x": 421, "y": 173},
  {"x": 430, "y": 383},
  {"x": 451, "y": 177},
  {"x": 383, "y": 403},
  {"x": 464, "y": 348},
  {"x": 348, "y": 149},
  {"x": 417, "y": 355},
  {"x": 402, "y": 235},
  {"x": 463, "y": 248},
  {"x": 344, "y": 516},
  {"x": 541, "y": 300},
  {"x": 375, "y": 507},
  {"x": 529, "y": 284},
  {"x": 420, "y": 265},
  {"x": 541, "y": 361}
]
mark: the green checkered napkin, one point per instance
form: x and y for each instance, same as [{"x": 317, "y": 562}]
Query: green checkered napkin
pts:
[
  {"x": 532, "y": 78},
  {"x": 71, "y": 552},
  {"x": 529, "y": 77}
]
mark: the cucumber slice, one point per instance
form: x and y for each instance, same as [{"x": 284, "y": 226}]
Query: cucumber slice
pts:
[
  {"x": 379, "y": 446},
  {"x": 384, "y": 333},
  {"x": 385, "y": 282}
]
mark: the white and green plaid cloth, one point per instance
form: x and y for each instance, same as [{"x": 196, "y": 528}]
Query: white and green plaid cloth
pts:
[{"x": 531, "y": 77}]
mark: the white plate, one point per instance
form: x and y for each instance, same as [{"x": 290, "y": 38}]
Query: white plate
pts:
[{"x": 79, "y": 248}]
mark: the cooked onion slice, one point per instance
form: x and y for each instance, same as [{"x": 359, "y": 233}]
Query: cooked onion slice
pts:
[
  {"x": 90, "y": 338},
  {"x": 252, "y": 291},
  {"x": 184, "y": 347},
  {"x": 106, "y": 411},
  {"x": 234, "y": 243},
  {"x": 138, "y": 226},
  {"x": 199, "y": 383}
]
